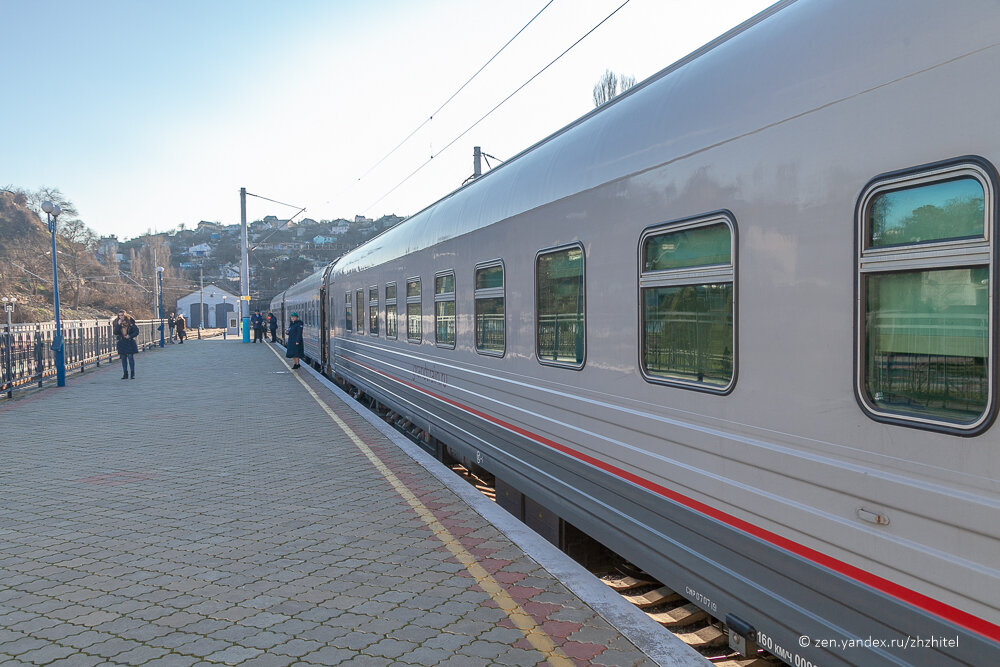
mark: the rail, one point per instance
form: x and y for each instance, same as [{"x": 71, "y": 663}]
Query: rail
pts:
[{"x": 27, "y": 358}]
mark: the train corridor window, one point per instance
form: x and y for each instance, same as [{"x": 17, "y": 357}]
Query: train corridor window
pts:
[
  {"x": 390, "y": 311},
  {"x": 444, "y": 309},
  {"x": 560, "y": 307},
  {"x": 373, "y": 310},
  {"x": 359, "y": 302},
  {"x": 489, "y": 315},
  {"x": 348, "y": 323},
  {"x": 925, "y": 315},
  {"x": 413, "y": 310},
  {"x": 687, "y": 304}
]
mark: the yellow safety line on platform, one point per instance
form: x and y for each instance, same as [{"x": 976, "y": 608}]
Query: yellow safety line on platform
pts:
[{"x": 522, "y": 619}]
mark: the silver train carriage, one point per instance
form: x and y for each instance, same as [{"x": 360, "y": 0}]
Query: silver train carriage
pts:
[{"x": 739, "y": 324}]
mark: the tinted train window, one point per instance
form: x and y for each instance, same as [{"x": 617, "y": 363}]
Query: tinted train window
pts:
[
  {"x": 390, "y": 310},
  {"x": 348, "y": 323},
  {"x": 413, "y": 310},
  {"x": 444, "y": 309},
  {"x": 687, "y": 303},
  {"x": 490, "y": 318},
  {"x": 373, "y": 310},
  {"x": 924, "y": 320},
  {"x": 560, "y": 306},
  {"x": 359, "y": 302}
]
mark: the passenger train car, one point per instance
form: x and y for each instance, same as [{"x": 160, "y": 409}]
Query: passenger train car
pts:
[{"x": 739, "y": 324}]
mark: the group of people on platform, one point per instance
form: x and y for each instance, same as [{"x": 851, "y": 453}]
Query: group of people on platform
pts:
[
  {"x": 258, "y": 322},
  {"x": 126, "y": 332}
]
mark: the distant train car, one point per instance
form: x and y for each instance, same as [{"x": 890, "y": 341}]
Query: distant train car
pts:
[{"x": 739, "y": 324}]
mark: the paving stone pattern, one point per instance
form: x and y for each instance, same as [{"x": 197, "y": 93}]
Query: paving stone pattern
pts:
[{"x": 209, "y": 512}]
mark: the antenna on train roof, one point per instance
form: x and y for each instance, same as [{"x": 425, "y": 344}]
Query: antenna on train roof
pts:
[{"x": 477, "y": 166}]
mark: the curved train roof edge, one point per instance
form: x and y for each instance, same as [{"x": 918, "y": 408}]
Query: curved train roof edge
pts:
[{"x": 522, "y": 182}]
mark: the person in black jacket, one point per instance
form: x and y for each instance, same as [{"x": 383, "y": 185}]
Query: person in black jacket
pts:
[
  {"x": 272, "y": 325},
  {"x": 126, "y": 331},
  {"x": 257, "y": 322},
  {"x": 293, "y": 343}
]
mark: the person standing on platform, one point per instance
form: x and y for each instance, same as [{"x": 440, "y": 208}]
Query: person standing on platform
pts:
[
  {"x": 272, "y": 325},
  {"x": 293, "y": 343},
  {"x": 126, "y": 331},
  {"x": 257, "y": 321},
  {"x": 181, "y": 325},
  {"x": 171, "y": 322}
]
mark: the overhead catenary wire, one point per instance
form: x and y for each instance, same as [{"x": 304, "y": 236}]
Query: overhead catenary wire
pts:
[
  {"x": 500, "y": 104},
  {"x": 453, "y": 95}
]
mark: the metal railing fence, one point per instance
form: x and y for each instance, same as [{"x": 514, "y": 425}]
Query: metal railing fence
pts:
[{"x": 27, "y": 358}]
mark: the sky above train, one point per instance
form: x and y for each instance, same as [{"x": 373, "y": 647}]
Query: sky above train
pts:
[{"x": 149, "y": 115}]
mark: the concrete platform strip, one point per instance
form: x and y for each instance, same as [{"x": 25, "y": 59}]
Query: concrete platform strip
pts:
[{"x": 521, "y": 619}]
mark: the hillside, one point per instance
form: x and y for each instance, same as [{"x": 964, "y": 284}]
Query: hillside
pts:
[{"x": 87, "y": 289}]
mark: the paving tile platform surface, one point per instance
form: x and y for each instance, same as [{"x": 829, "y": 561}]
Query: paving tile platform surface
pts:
[{"x": 211, "y": 511}]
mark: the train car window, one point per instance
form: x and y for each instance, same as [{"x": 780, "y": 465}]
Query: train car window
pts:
[
  {"x": 373, "y": 310},
  {"x": 490, "y": 318},
  {"x": 413, "y": 310},
  {"x": 560, "y": 307},
  {"x": 444, "y": 309},
  {"x": 687, "y": 300},
  {"x": 390, "y": 311},
  {"x": 359, "y": 304},
  {"x": 348, "y": 323},
  {"x": 925, "y": 331}
]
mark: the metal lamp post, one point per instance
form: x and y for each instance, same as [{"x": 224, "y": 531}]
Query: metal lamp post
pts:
[
  {"x": 8, "y": 356},
  {"x": 52, "y": 212},
  {"x": 159, "y": 274},
  {"x": 225, "y": 318}
]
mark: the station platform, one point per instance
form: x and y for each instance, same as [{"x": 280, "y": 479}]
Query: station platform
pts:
[{"x": 223, "y": 509}]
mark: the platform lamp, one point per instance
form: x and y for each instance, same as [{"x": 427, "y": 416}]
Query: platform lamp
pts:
[
  {"x": 8, "y": 305},
  {"x": 52, "y": 212},
  {"x": 159, "y": 274}
]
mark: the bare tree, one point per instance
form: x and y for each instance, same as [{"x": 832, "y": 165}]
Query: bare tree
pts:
[{"x": 609, "y": 85}]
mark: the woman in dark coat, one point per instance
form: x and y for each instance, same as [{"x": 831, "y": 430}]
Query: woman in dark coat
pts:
[
  {"x": 293, "y": 344},
  {"x": 181, "y": 325},
  {"x": 126, "y": 332}
]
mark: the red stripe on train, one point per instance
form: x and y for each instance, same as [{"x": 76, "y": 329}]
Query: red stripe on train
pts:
[{"x": 919, "y": 600}]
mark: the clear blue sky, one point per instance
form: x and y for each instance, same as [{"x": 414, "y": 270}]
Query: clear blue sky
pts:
[{"x": 149, "y": 114}]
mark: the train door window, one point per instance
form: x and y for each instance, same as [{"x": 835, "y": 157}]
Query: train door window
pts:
[
  {"x": 390, "y": 311},
  {"x": 373, "y": 310},
  {"x": 444, "y": 309},
  {"x": 687, "y": 304},
  {"x": 925, "y": 313},
  {"x": 359, "y": 304},
  {"x": 560, "y": 306},
  {"x": 413, "y": 310},
  {"x": 490, "y": 318},
  {"x": 348, "y": 323}
]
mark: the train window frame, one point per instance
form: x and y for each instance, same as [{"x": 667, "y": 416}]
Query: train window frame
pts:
[
  {"x": 348, "y": 316},
  {"x": 390, "y": 302},
  {"x": 359, "y": 306},
  {"x": 489, "y": 293},
  {"x": 373, "y": 324},
  {"x": 583, "y": 280},
  {"x": 417, "y": 301},
  {"x": 442, "y": 299},
  {"x": 695, "y": 274},
  {"x": 926, "y": 257}
]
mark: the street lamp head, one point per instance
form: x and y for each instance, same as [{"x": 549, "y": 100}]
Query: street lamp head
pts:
[
  {"x": 159, "y": 269},
  {"x": 51, "y": 209}
]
